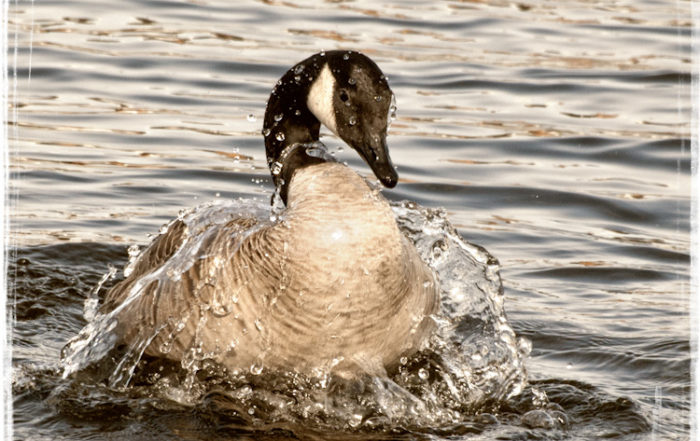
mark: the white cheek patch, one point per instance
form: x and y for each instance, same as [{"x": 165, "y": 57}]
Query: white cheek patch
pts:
[{"x": 320, "y": 99}]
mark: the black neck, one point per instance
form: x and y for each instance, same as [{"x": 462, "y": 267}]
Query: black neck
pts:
[
  {"x": 289, "y": 121},
  {"x": 293, "y": 158}
]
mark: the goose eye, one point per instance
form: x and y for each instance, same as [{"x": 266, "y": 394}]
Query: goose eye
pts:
[{"x": 343, "y": 96}]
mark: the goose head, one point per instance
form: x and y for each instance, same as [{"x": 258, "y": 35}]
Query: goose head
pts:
[{"x": 343, "y": 90}]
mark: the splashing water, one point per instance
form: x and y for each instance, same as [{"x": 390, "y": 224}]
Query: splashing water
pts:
[
  {"x": 472, "y": 363},
  {"x": 97, "y": 338}
]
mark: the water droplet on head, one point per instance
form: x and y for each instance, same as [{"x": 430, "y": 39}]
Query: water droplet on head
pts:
[
  {"x": 297, "y": 78},
  {"x": 279, "y": 116},
  {"x": 299, "y": 69},
  {"x": 378, "y": 98},
  {"x": 346, "y": 57},
  {"x": 297, "y": 112},
  {"x": 322, "y": 53},
  {"x": 279, "y": 136},
  {"x": 266, "y": 132},
  {"x": 251, "y": 117},
  {"x": 352, "y": 121},
  {"x": 403, "y": 361},
  {"x": 392, "y": 109},
  {"x": 351, "y": 81},
  {"x": 276, "y": 168}
]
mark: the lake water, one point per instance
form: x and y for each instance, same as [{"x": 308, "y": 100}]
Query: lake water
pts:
[{"x": 554, "y": 134}]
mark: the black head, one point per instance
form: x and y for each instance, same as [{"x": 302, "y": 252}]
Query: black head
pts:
[{"x": 345, "y": 91}]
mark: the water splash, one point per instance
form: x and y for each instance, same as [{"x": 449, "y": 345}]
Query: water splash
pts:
[
  {"x": 475, "y": 353},
  {"x": 472, "y": 362},
  {"x": 90, "y": 308},
  {"x": 97, "y": 338}
]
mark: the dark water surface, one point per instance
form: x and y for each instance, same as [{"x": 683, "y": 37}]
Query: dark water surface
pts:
[{"x": 556, "y": 135}]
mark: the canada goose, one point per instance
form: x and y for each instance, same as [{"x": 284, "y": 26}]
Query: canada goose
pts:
[{"x": 331, "y": 284}]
